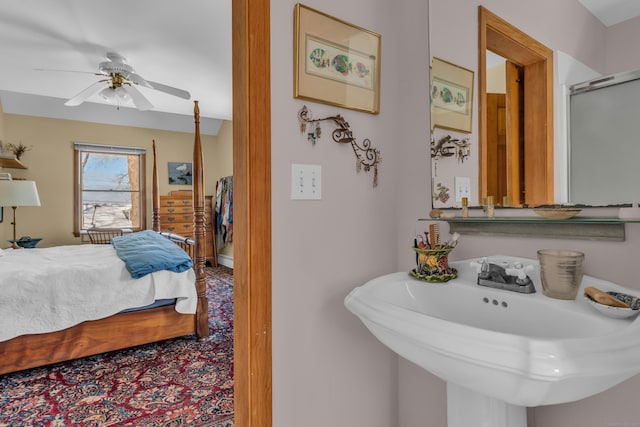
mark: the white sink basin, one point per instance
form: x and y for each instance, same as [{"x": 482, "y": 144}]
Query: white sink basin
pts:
[{"x": 521, "y": 349}]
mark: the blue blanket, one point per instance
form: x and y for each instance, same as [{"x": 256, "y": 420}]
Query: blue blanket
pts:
[{"x": 146, "y": 251}]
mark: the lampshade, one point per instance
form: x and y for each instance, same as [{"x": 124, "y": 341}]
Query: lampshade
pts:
[{"x": 18, "y": 193}]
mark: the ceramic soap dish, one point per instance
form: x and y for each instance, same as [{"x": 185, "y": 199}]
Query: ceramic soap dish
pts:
[{"x": 613, "y": 304}]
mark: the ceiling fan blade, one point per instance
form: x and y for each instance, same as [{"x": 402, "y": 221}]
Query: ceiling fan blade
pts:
[
  {"x": 170, "y": 90},
  {"x": 67, "y": 71},
  {"x": 87, "y": 93},
  {"x": 137, "y": 79},
  {"x": 138, "y": 98}
]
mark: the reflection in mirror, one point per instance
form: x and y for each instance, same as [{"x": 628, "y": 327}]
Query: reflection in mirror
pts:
[
  {"x": 583, "y": 51},
  {"x": 496, "y": 163},
  {"x": 448, "y": 150},
  {"x": 515, "y": 142},
  {"x": 524, "y": 123},
  {"x": 603, "y": 124}
]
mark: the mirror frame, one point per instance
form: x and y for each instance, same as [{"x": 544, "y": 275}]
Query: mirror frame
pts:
[{"x": 504, "y": 39}]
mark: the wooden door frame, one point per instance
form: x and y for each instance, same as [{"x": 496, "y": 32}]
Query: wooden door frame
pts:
[
  {"x": 252, "y": 212},
  {"x": 514, "y": 172},
  {"x": 500, "y": 37},
  {"x": 496, "y": 166}
]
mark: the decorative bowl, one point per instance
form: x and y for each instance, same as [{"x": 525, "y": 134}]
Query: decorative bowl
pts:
[
  {"x": 557, "y": 213},
  {"x": 27, "y": 242},
  {"x": 618, "y": 312}
]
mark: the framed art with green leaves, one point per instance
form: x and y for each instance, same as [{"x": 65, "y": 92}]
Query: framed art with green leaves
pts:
[
  {"x": 451, "y": 96},
  {"x": 335, "y": 62}
]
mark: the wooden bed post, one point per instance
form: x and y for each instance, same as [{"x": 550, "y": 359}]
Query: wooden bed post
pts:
[
  {"x": 155, "y": 213},
  {"x": 202, "y": 319}
]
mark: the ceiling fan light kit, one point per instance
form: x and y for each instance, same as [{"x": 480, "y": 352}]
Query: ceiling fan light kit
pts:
[
  {"x": 119, "y": 86},
  {"x": 118, "y": 96}
]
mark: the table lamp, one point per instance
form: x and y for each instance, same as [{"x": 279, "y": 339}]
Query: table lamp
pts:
[{"x": 18, "y": 193}]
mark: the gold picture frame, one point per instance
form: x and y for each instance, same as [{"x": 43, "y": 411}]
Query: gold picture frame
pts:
[
  {"x": 335, "y": 62},
  {"x": 451, "y": 96}
]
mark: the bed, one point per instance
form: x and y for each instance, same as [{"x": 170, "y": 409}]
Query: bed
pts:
[{"x": 127, "y": 328}]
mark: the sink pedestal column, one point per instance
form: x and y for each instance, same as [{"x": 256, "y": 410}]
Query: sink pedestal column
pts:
[{"x": 468, "y": 408}]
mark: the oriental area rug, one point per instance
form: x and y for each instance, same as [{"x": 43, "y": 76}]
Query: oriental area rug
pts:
[{"x": 178, "y": 382}]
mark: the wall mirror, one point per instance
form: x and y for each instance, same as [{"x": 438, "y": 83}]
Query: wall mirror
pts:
[{"x": 522, "y": 159}]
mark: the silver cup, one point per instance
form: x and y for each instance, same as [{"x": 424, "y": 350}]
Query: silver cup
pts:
[{"x": 561, "y": 272}]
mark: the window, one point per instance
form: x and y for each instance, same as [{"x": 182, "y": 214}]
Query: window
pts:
[{"x": 109, "y": 187}]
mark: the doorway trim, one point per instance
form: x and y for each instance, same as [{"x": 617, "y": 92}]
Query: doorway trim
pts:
[
  {"x": 252, "y": 212},
  {"x": 498, "y": 36}
]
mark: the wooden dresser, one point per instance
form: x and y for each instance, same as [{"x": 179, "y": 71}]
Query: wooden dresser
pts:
[{"x": 176, "y": 216}]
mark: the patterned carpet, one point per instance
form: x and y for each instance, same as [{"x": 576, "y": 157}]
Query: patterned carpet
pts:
[{"x": 178, "y": 382}]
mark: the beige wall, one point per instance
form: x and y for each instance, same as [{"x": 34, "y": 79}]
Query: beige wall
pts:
[
  {"x": 50, "y": 164},
  {"x": 222, "y": 164},
  {"x": 1, "y": 123}
]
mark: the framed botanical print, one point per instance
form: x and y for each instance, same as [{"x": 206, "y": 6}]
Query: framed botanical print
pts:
[
  {"x": 451, "y": 96},
  {"x": 335, "y": 62}
]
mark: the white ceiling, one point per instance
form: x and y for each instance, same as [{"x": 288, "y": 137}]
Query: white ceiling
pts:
[
  {"x": 611, "y": 12},
  {"x": 180, "y": 43}
]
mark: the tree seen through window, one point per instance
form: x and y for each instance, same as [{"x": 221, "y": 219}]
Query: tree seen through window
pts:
[{"x": 110, "y": 189}]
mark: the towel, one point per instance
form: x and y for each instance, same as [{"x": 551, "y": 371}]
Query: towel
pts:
[{"x": 146, "y": 252}]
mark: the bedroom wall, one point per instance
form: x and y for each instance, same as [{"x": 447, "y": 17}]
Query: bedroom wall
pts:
[
  {"x": 50, "y": 164},
  {"x": 222, "y": 165},
  {"x": 1, "y": 122}
]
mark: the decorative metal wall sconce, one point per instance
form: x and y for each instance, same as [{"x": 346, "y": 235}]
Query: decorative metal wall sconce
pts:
[
  {"x": 448, "y": 146},
  {"x": 366, "y": 157}
]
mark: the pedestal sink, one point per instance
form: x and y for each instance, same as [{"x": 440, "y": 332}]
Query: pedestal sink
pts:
[{"x": 500, "y": 351}]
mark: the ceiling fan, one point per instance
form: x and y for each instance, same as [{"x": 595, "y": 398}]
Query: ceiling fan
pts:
[{"x": 119, "y": 85}]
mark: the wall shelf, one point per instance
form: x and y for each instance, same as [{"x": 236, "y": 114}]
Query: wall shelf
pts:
[
  {"x": 583, "y": 228},
  {"x": 11, "y": 162}
]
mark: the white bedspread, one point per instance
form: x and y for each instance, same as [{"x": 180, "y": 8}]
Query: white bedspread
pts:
[{"x": 50, "y": 289}]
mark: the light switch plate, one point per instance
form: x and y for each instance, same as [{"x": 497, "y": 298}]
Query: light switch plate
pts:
[
  {"x": 462, "y": 185},
  {"x": 306, "y": 182}
]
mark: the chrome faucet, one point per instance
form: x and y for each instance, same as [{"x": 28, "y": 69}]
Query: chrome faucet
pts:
[{"x": 511, "y": 278}]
